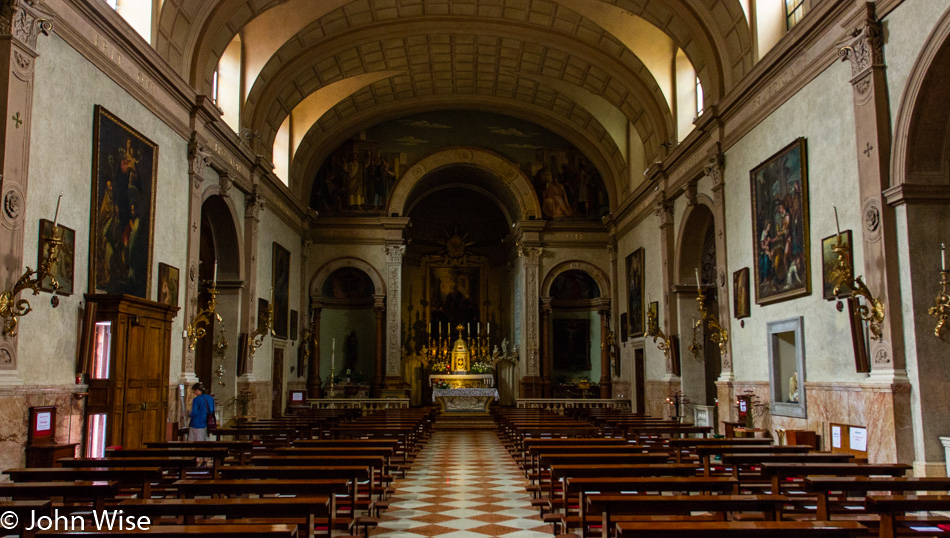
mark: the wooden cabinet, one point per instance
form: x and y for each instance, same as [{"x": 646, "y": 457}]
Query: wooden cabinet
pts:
[{"x": 127, "y": 367}]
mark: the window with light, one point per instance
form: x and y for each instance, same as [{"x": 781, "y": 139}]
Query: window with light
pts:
[{"x": 794, "y": 11}]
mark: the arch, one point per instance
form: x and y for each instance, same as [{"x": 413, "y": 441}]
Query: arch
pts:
[
  {"x": 227, "y": 238},
  {"x": 507, "y": 171},
  {"x": 921, "y": 145},
  {"x": 689, "y": 244},
  {"x": 321, "y": 275},
  {"x": 595, "y": 272}
]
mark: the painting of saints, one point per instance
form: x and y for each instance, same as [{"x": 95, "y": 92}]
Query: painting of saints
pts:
[{"x": 124, "y": 177}]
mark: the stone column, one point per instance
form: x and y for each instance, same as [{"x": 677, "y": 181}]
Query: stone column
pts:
[
  {"x": 253, "y": 206},
  {"x": 379, "y": 308},
  {"x": 865, "y": 50},
  {"x": 21, "y": 23},
  {"x": 606, "y": 391},
  {"x": 198, "y": 159},
  {"x": 313, "y": 368},
  {"x": 714, "y": 170},
  {"x": 546, "y": 359},
  {"x": 530, "y": 254},
  {"x": 394, "y": 254},
  {"x": 663, "y": 210}
]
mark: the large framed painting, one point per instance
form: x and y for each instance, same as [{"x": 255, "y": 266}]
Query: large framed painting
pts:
[
  {"x": 572, "y": 344},
  {"x": 741, "y": 307},
  {"x": 281, "y": 283},
  {"x": 124, "y": 168},
  {"x": 829, "y": 259},
  {"x": 262, "y": 306},
  {"x": 63, "y": 268},
  {"x": 635, "y": 293},
  {"x": 167, "y": 284},
  {"x": 780, "y": 225},
  {"x": 454, "y": 297}
]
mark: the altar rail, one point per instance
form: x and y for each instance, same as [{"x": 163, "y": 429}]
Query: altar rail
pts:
[
  {"x": 367, "y": 405},
  {"x": 558, "y": 405}
]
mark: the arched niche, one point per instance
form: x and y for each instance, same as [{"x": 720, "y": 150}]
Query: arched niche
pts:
[
  {"x": 509, "y": 177},
  {"x": 603, "y": 283},
  {"x": 323, "y": 273}
]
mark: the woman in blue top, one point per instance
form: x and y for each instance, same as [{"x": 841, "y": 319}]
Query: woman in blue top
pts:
[{"x": 201, "y": 406}]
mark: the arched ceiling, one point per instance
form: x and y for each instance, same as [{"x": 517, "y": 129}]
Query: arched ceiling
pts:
[{"x": 582, "y": 68}]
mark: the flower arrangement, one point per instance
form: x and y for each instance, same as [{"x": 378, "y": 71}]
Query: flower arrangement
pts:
[
  {"x": 440, "y": 384},
  {"x": 440, "y": 367},
  {"x": 481, "y": 368}
]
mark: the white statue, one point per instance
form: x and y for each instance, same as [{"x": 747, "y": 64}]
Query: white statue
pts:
[
  {"x": 793, "y": 388},
  {"x": 504, "y": 346}
]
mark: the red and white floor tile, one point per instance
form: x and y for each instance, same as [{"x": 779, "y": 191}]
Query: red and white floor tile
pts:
[{"x": 464, "y": 484}]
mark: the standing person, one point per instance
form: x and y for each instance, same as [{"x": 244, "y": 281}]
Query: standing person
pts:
[{"x": 201, "y": 406}]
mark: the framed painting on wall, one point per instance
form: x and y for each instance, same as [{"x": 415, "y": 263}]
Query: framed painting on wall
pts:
[
  {"x": 262, "y": 305},
  {"x": 124, "y": 168},
  {"x": 741, "y": 307},
  {"x": 572, "y": 344},
  {"x": 167, "y": 284},
  {"x": 281, "y": 286},
  {"x": 63, "y": 268},
  {"x": 779, "y": 189},
  {"x": 293, "y": 324},
  {"x": 828, "y": 261},
  {"x": 635, "y": 293}
]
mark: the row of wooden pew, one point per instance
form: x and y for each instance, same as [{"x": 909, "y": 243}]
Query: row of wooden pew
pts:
[
  {"x": 303, "y": 475},
  {"x": 612, "y": 474}
]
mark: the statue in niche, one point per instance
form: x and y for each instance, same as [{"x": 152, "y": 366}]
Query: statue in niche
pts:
[
  {"x": 793, "y": 388},
  {"x": 349, "y": 353}
]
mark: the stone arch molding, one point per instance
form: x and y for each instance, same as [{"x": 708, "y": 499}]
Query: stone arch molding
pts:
[
  {"x": 512, "y": 176},
  {"x": 683, "y": 271},
  {"x": 595, "y": 272},
  {"x": 324, "y": 272}
]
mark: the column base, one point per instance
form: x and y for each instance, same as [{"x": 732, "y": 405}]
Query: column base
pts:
[
  {"x": 314, "y": 389},
  {"x": 394, "y": 387},
  {"x": 532, "y": 387}
]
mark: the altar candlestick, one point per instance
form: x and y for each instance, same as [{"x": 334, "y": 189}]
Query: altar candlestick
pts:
[
  {"x": 943, "y": 257},
  {"x": 698, "y": 285},
  {"x": 478, "y": 327},
  {"x": 216, "y": 273},
  {"x": 837, "y": 225},
  {"x": 488, "y": 331},
  {"x": 332, "y": 354},
  {"x": 56, "y": 215}
]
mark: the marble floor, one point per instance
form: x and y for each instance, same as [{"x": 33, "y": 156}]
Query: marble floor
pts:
[{"x": 463, "y": 484}]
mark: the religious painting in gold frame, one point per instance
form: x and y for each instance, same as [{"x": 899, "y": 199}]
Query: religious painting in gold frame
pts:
[{"x": 779, "y": 188}]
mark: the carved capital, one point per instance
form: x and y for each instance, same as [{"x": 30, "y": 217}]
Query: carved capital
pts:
[
  {"x": 253, "y": 206},
  {"x": 714, "y": 169},
  {"x": 531, "y": 255},
  {"x": 663, "y": 209},
  {"x": 394, "y": 253},
  {"x": 864, "y": 46},
  {"x": 24, "y": 21},
  {"x": 198, "y": 158},
  {"x": 225, "y": 182},
  {"x": 690, "y": 193}
]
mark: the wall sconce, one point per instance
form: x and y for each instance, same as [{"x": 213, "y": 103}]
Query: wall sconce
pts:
[
  {"x": 941, "y": 308},
  {"x": 256, "y": 338},
  {"x": 873, "y": 310},
  {"x": 203, "y": 317},
  {"x": 220, "y": 349},
  {"x": 653, "y": 330},
  {"x": 12, "y": 306},
  {"x": 718, "y": 335}
]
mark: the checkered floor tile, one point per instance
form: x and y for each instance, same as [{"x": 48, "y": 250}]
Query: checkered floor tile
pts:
[{"x": 462, "y": 485}]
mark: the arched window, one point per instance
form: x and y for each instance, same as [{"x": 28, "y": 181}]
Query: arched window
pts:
[
  {"x": 282, "y": 151},
  {"x": 226, "y": 83}
]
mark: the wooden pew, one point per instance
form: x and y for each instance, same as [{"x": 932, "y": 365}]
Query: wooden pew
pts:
[
  {"x": 177, "y": 463},
  {"x": 216, "y": 455},
  {"x": 740, "y": 529},
  {"x": 740, "y": 462},
  {"x": 95, "y": 491},
  {"x": 141, "y": 478},
  {"x": 354, "y": 473},
  {"x": 705, "y": 453},
  {"x": 823, "y": 486},
  {"x": 777, "y": 473},
  {"x": 189, "y": 531},
  {"x": 24, "y": 511},
  {"x": 313, "y": 510},
  {"x": 892, "y": 507}
]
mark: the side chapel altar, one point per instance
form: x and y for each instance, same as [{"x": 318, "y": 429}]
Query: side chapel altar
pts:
[{"x": 460, "y": 392}]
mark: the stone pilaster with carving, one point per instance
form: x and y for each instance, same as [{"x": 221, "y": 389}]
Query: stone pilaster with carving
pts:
[
  {"x": 546, "y": 358},
  {"x": 253, "y": 208},
  {"x": 394, "y": 255},
  {"x": 715, "y": 171},
  {"x": 379, "y": 309},
  {"x": 864, "y": 49},
  {"x": 606, "y": 389},
  {"x": 663, "y": 210},
  {"x": 531, "y": 265},
  {"x": 313, "y": 367},
  {"x": 198, "y": 159},
  {"x": 21, "y": 24}
]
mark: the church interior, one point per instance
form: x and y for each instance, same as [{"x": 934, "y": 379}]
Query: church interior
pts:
[{"x": 472, "y": 221}]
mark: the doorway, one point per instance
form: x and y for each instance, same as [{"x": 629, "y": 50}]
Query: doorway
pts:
[{"x": 277, "y": 378}]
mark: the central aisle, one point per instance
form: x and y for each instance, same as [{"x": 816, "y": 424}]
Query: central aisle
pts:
[{"x": 464, "y": 484}]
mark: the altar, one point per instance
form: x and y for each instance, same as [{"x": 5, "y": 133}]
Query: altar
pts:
[
  {"x": 468, "y": 401},
  {"x": 458, "y": 381},
  {"x": 457, "y": 391}
]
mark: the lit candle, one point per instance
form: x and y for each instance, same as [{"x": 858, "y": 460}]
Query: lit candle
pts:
[
  {"x": 488, "y": 331},
  {"x": 478, "y": 327},
  {"x": 56, "y": 215},
  {"x": 698, "y": 285},
  {"x": 943, "y": 257},
  {"x": 837, "y": 225}
]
